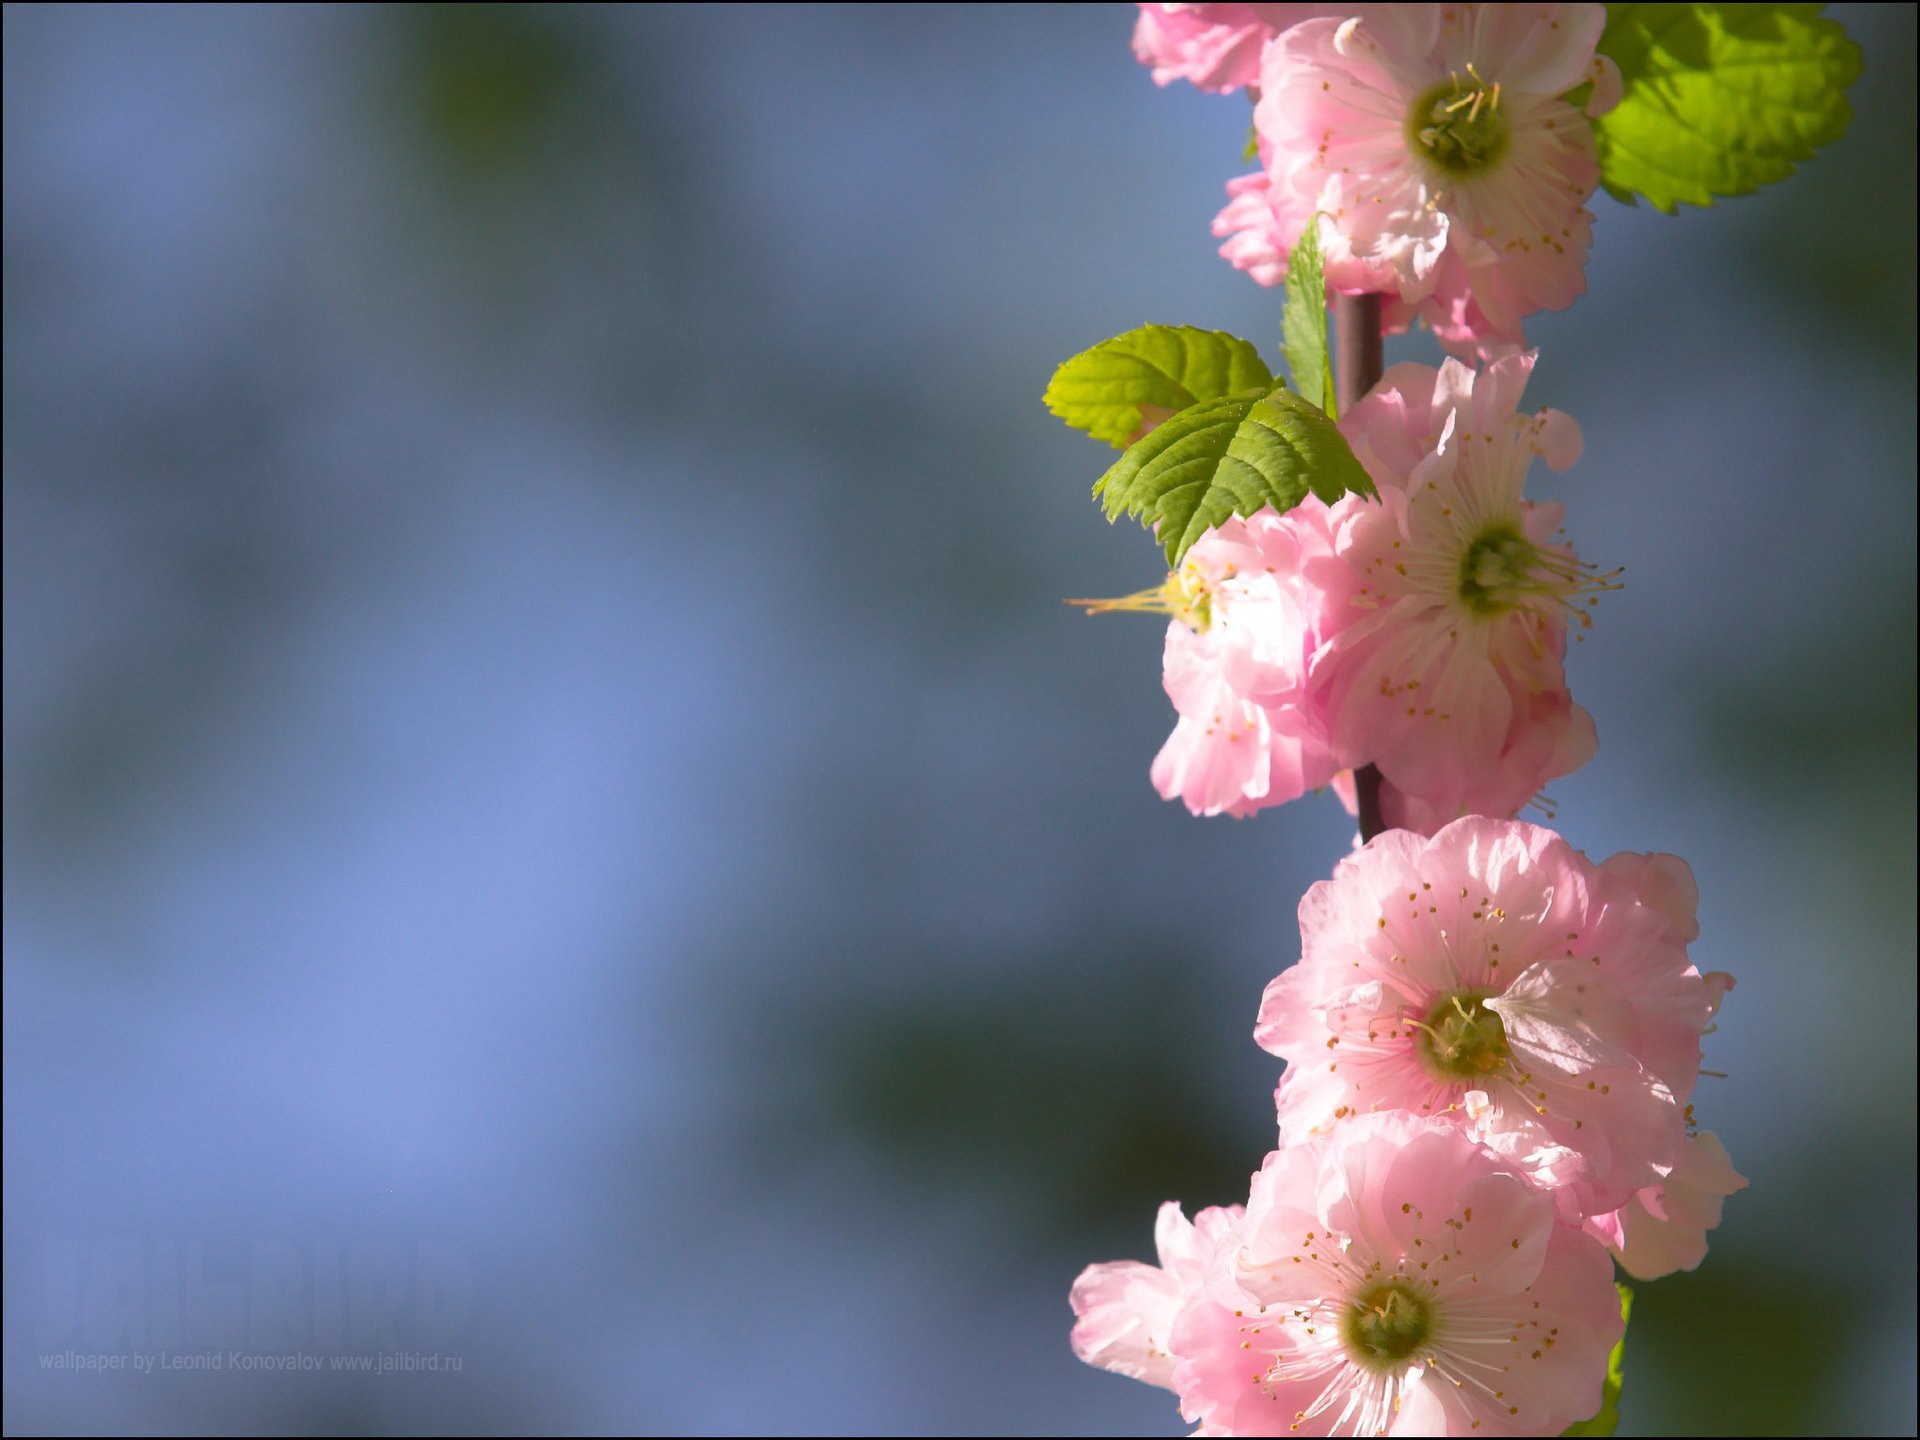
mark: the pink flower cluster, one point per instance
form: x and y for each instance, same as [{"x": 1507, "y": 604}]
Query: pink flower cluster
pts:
[
  {"x": 1434, "y": 143},
  {"x": 1424, "y": 633},
  {"x": 1491, "y": 1042}
]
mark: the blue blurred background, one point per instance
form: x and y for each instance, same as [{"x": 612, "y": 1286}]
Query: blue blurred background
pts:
[{"x": 554, "y": 815}]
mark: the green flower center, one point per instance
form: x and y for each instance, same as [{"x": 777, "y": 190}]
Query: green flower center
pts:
[
  {"x": 1387, "y": 1325},
  {"x": 1461, "y": 1039},
  {"x": 1458, "y": 125},
  {"x": 1190, "y": 598},
  {"x": 1496, "y": 571}
]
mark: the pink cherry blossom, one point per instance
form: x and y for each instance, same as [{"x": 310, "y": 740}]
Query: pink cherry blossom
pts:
[
  {"x": 1397, "y": 1279},
  {"x": 1124, "y": 1310},
  {"x": 1217, "y": 47},
  {"x": 1494, "y": 976},
  {"x": 1255, "y": 242},
  {"x": 1446, "y": 671},
  {"x": 1246, "y": 606},
  {"x": 1425, "y": 633},
  {"x": 1450, "y": 175},
  {"x": 1664, "y": 1227},
  {"x": 1548, "y": 736},
  {"x": 1666, "y": 884}
]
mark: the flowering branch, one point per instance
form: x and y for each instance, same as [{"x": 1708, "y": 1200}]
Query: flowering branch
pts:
[{"x": 1491, "y": 1040}]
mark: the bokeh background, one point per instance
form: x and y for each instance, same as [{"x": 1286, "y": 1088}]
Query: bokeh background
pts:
[{"x": 548, "y": 783}]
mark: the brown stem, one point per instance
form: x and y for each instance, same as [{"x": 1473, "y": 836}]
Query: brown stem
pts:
[
  {"x": 1356, "y": 331},
  {"x": 1356, "y": 337},
  {"x": 1366, "y": 795}
]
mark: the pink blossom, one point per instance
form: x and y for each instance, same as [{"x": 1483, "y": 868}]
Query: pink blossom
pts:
[
  {"x": 1217, "y": 47},
  {"x": 1254, "y": 237},
  {"x": 1124, "y": 1310},
  {"x": 1246, "y": 606},
  {"x": 1432, "y": 139},
  {"x": 1425, "y": 633},
  {"x": 1397, "y": 1280},
  {"x": 1496, "y": 977},
  {"x": 1548, "y": 736},
  {"x": 1666, "y": 884},
  {"x": 1664, "y": 1227},
  {"x": 1446, "y": 668}
]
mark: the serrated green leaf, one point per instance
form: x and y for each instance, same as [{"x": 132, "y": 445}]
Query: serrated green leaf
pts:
[
  {"x": 1303, "y": 323},
  {"x": 1102, "y": 390},
  {"x": 1608, "y": 1420},
  {"x": 1229, "y": 456},
  {"x": 1720, "y": 99}
]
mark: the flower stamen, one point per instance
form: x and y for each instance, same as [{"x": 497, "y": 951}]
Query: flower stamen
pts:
[
  {"x": 1461, "y": 1039},
  {"x": 1502, "y": 571},
  {"x": 1386, "y": 1326},
  {"x": 1462, "y": 145},
  {"x": 1185, "y": 594}
]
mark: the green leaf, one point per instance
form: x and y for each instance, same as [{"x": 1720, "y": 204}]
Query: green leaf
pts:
[
  {"x": 1303, "y": 323},
  {"x": 1229, "y": 456},
  {"x": 1102, "y": 390},
  {"x": 1720, "y": 99},
  {"x": 1608, "y": 1419}
]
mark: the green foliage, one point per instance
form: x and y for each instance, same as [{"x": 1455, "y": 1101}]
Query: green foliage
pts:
[
  {"x": 1608, "y": 1420},
  {"x": 1102, "y": 390},
  {"x": 1720, "y": 99},
  {"x": 1303, "y": 323},
  {"x": 1230, "y": 456}
]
